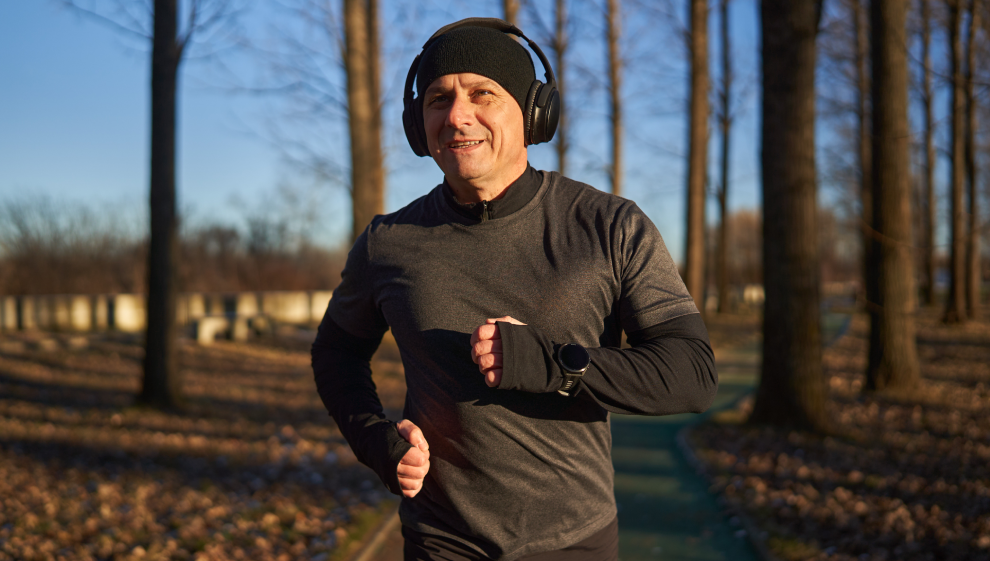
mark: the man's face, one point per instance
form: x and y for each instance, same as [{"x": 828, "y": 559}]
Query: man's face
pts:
[{"x": 474, "y": 129}]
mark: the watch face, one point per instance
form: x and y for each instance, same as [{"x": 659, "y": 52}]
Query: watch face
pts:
[{"x": 574, "y": 358}]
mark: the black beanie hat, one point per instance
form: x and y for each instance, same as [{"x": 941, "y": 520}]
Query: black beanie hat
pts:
[{"x": 481, "y": 50}]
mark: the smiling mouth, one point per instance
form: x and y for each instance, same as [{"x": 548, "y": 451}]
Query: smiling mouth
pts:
[{"x": 466, "y": 144}]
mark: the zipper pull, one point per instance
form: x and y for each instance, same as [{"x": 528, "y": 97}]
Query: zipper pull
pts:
[{"x": 484, "y": 211}]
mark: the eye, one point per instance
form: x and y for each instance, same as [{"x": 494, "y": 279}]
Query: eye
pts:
[{"x": 439, "y": 98}]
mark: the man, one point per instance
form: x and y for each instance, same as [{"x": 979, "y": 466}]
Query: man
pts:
[{"x": 506, "y": 289}]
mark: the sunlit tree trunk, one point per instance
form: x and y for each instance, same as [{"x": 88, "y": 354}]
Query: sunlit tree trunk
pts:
[
  {"x": 929, "y": 215},
  {"x": 367, "y": 176},
  {"x": 863, "y": 152},
  {"x": 791, "y": 391},
  {"x": 973, "y": 272},
  {"x": 955, "y": 311},
  {"x": 694, "y": 254},
  {"x": 725, "y": 125},
  {"x": 560, "y": 44},
  {"x": 613, "y": 18},
  {"x": 510, "y": 9},
  {"x": 162, "y": 384},
  {"x": 893, "y": 354}
]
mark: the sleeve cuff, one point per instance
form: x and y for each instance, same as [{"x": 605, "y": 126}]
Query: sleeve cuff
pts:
[{"x": 528, "y": 360}]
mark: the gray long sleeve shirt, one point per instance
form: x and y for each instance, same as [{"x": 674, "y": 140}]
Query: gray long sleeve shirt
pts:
[{"x": 516, "y": 469}]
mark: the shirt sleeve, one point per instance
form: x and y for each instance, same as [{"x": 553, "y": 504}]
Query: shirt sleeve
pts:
[
  {"x": 669, "y": 369},
  {"x": 348, "y": 337},
  {"x": 652, "y": 291},
  {"x": 353, "y": 306}
]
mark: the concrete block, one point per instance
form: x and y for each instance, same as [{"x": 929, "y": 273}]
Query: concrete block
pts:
[
  {"x": 213, "y": 305},
  {"x": 286, "y": 307},
  {"x": 44, "y": 312},
  {"x": 101, "y": 315},
  {"x": 241, "y": 329},
  {"x": 80, "y": 313},
  {"x": 319, "y": 300},
  {"x": 246, "y": 304},
  {"x": 27, "y": 312},
  {"x": 753, "y": 294},
  {"x": 8, "y": 313},
  {"x": 129, "y": 313},
  {"x": 207, "y": 328},
  {"x": 195, "y": 306}
]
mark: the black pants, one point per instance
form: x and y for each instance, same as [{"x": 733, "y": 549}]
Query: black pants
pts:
[{"x": 602, "y": 546}]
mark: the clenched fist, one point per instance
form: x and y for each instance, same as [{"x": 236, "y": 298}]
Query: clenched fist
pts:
[
  {"x": 415, "y": 464},
  {"x": 486, "y": 349}
]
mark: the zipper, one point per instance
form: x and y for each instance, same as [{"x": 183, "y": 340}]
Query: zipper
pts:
[{"x": 485, "y": 211}]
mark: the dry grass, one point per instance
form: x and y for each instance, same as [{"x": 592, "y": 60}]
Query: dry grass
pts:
[
  {"x": 253, "y": 468},
  {"x": 905, "y": 476}
]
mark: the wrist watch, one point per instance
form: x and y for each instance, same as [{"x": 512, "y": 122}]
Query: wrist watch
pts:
[{"x": 574, "y": 360}]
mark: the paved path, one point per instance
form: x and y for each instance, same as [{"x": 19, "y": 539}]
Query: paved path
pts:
[{"x": 665, "y": 510}]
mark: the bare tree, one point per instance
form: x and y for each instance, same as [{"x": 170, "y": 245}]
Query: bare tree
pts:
[
  {"x": 864, "y": 157},
  {"x": 725, "y": 125},
  {"x": 162, "y": 385},
  {"x": 694, "y": 254},
  {"x": 792, "y": 389},
  {"x": 955, "y": 311},
  {"x": 363, "y": 112},
  {"x": 930, "y": 215},
  {"x": 973, "y": 272},
  {"x": 613, "y": 31},
  {"x": 893, "y": 355},
  {"x": 559, "y": 40},
  {"x": 510, "y": 9},
  {"x": 560, "y": 45}
]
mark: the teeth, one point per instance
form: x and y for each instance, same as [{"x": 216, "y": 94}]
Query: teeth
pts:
[{"x": 465, "y": 144}]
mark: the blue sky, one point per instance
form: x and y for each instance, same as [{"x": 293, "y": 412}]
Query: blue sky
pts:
[{"x": 74, "y": 122}]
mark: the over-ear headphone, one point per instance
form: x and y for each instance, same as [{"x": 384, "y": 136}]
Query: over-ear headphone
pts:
[{"x": 540, "y": 115}]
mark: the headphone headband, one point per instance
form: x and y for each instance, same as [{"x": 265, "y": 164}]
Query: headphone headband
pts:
[{"x": 547, "y": 105}]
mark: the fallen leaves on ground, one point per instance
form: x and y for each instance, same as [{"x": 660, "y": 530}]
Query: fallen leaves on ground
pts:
[
  {"x": 253, "y": 467},
  {"x": 905, "y": 475}
]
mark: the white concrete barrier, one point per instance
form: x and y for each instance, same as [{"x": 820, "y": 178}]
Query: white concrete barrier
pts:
[
  {"x": 80, "y": 312},
  {"x": 129, "y": 312},
  {"x": 753, "y": 294},
  {"x": 8, "y": 313},
  {"x": 319, "y": 300},
  {"x": 246, "y": 304},
  {"x": 28, "y": 312},
  {"x": 101, "y": 314},
  {"x": 44, "y": 312},
  {"x": 207, "y": 328},
  {"x": 286, "y": 307}
]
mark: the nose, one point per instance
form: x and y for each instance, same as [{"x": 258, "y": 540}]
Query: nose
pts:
[{"x": 461, "y": 112}]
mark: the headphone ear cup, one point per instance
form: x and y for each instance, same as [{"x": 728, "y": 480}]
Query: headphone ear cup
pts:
[
  {"x": 542, "y": 113},
  {"x": 529, "y": 112},
  {"x": 412, "y": 124}
]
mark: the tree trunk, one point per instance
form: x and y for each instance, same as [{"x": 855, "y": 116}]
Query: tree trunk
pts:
[
  {"x": 694, "y": 254},
  {"x": 725, "y": 123},
  {"x": 955, "y": 311},
  {"x": 863, "y": 149},
  {"x": 511, "y": 9},
  {"x": 893, "y": 356},
  {"x": 930, "y": 215},
  {"x": 560, "y": 49},
  {"x": 162, "y": 384},
  {"x": 973, "y": 273},
  {"x": 613, "y": 32},
  {"x": 792, "y": 391},
  {"x": 362, "y": 104}
]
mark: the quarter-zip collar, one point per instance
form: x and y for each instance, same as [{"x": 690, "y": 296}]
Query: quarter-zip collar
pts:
[{"x": 517, "y": 194}]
